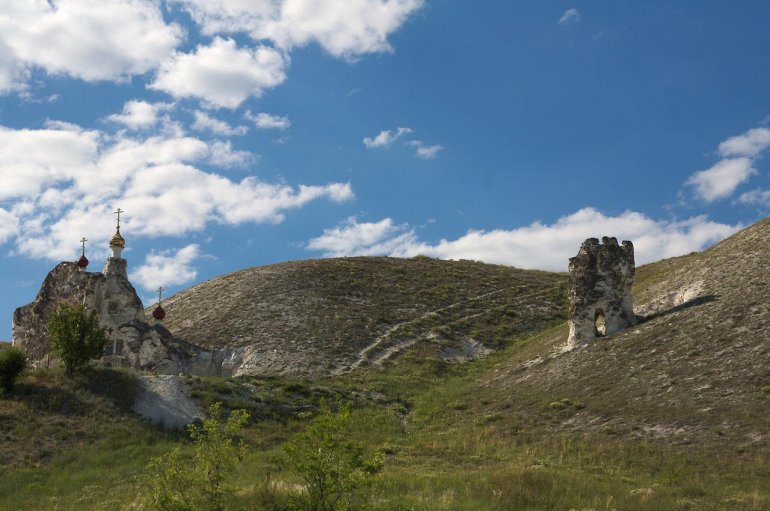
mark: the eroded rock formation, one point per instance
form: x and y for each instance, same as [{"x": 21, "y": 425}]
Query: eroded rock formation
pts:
[
  {"x": 133, "y": 341},
  {"x": 600, "y": 302}
]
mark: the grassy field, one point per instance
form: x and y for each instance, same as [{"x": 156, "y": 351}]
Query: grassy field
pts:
[{"x": 72, "y": 445}]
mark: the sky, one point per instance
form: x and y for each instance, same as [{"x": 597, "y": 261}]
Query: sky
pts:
[{"x": 238, "y": 133}]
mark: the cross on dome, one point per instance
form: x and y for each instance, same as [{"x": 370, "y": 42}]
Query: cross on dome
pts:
[
  {"x": 159, "y": 313},
  {"x": 117, "y": 243},
  {"x": 82, "y": 261}
]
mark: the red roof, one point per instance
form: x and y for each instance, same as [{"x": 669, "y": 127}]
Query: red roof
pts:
[{"x": 158, "y": 313}]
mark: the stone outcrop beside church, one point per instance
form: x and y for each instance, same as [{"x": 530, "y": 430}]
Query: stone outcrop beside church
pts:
[
  {"x": 600, "y": 301},
  {"x": 133, "y": 342}
]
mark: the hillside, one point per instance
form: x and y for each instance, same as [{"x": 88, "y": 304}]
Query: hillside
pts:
[
  {"x": 696, "y": 369},
  {"x": 668, "y": 414},
  {"x": 328, "y": 316}
]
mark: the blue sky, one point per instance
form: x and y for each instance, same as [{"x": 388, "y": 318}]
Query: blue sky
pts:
[{"x": 237, "y": 133}]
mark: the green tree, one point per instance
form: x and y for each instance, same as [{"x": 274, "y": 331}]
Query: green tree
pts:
[
  {"x": 335, "y": 468},
  {"x": 76, "y": 337},
  {"x": 199, "y": 482},
  {"x": 12, "y": 364}
]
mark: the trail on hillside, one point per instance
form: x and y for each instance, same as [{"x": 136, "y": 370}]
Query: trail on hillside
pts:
[{"x": 385, "y": 351}]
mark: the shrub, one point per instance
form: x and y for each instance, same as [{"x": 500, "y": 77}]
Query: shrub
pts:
[
  {"x": 76, "y": 336},
  {"x": 335, "y": 468},
  {"x": 12, "y": 363},
  {"x": 199, "y": 482}
]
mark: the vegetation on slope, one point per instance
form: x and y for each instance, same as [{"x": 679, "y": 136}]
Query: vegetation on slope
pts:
[
  {"x": 669, "y": 414},
  {"x": 323, "y": 316}
]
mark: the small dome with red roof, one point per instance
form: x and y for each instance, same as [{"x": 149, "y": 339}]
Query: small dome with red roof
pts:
[
  {"x": 158, "y": 313},
  {"x": 82, "y": 262}
]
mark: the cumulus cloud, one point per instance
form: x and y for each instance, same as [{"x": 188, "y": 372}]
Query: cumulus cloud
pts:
[
  {"x": 167, "y": 268},
  {"x": 267, "y": 121},
  {"x": 8, "y": 225},
  {"x": 63, "y": 182},
  {"x": 222, "y": 154},
  {"x": 570, "y": 17},
  {"x": 138, "y": 115},
  {"x": 721, "y": 180},
  {"x": 756, "y": 197},
  {"x": 344, "y": 28},
  {"x": 88, "y": 39},
  {"x": 221, "y": 74},
  {"x": 30, "y": 159},
  {"x": 204, "y": 122},
  {"x": 537, "y": 246},
  {"x": 366, "y": 238},
  {"x": 386, "y": 137},
  {"x": 736, "y": 167},
  {"x": 748, "y": 144}
]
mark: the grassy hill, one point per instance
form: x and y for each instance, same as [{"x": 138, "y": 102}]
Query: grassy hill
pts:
[
  {"x": 669, "y": 414},
  {"x": 328, "y": 316}
]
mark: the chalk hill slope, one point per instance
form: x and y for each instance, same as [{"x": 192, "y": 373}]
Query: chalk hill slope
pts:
[
  {"x": 329, "y": 316},
  {"x": 696, "y": 368}
]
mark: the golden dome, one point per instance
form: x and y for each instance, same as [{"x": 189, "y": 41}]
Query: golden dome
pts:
[{"x": 117, "y": 240}]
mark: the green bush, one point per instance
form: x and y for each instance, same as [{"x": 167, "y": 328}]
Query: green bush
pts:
[
  {"x": 76, "y": 336},
  {"x": 336, "y": 470},
  {"x": 12, "y": 364},
  {"x": 178, "y": 482}
]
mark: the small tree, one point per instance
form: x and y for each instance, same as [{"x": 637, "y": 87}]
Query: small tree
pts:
[
  {"x": 76, "y": 336},
  {"x": 12, "y": 364},
  {"x": 335, "y": 468},
  {"x": 199, "y": 482}
]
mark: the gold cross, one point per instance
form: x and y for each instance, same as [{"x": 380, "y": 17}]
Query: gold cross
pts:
[
  {"x": 83, "y": 242},
  {"x": 118, "y": 212},
  {"x": 160, "y": 292}
]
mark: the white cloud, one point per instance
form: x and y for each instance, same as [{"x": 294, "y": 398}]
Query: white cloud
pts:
[
  {"x": 735, "y": 168},
  {"x": 138, "y": 115},
  {"x": 722, "y": 179},
  {"x": 267, "y": 121},
  {"x": 222, "y": 74},
  {"x": 167, "y": 268},
  {"x": 748, "y": 144},
  {"x": 386, "y": 137},
  {"x": 87, "y": 39},
  {"x": 354, "y": 238},
  {"x": 756, "y": 198},
  {"x": 63, "y": 182},
  {"x": 570, "y": 17},
  {"x": 223, "y": 155},
  {"x": 8, "y": 225},
  {"x": 423, "y": 151},
  {"x": 536, "y": 246},
  {"x": 344, "y": 28},
  {"x": 204, "y": 122},
  {"x": 428, "y": 152},
  {"x": 30, "y": 159}
]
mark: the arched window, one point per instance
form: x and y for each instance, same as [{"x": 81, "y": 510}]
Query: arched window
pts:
[{"x": 600, "y": 326}]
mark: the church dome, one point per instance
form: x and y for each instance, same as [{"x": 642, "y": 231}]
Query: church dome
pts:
[
  {"x": 82, "y": 262},
  {"x": 158, "y": 313},
  {"x": 117, "y": 240}
]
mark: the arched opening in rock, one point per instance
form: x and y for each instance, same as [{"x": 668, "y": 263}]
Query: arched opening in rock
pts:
[{"x": 600, "y": 326}]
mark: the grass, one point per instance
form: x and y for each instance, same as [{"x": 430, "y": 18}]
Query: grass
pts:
[
  {"x": 448, "y": 445},
  {"x": 585, "y": 431}
]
